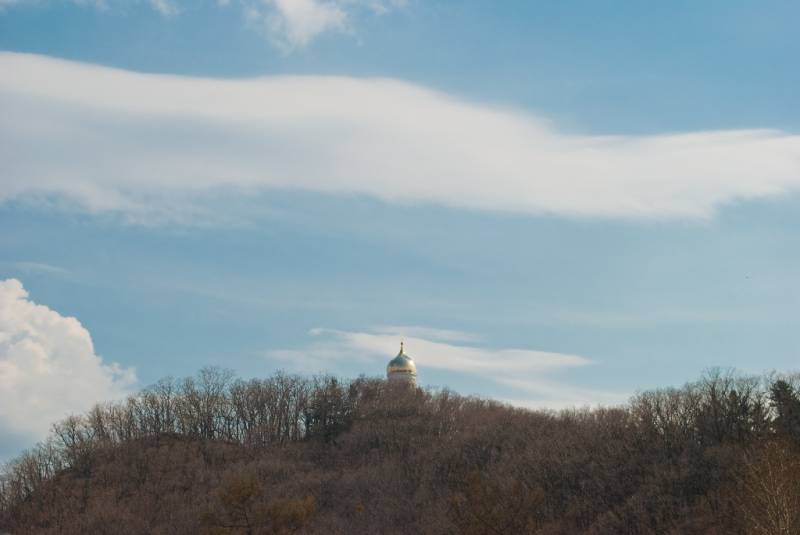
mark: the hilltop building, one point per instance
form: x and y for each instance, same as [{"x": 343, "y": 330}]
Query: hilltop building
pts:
[{"x": 402, "y": 369}]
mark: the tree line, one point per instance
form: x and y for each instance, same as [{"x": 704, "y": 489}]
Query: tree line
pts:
[{"x": 293, "y": 454}]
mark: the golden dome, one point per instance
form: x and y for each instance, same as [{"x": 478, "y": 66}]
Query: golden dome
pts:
[{"x": 402, "y": 364}]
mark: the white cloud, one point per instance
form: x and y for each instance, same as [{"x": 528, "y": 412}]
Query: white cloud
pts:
[
  {"x": 129, "y": 142},
  {"x": 48, "y": 366},
  {"x": 523, "y": 371},
  {"x": 292, "y": 24}
]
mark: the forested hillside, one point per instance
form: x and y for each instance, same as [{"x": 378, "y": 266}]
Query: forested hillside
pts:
[{"x": 288, "y": 454}]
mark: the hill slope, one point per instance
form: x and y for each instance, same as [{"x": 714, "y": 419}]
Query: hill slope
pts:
[{"x": 288, "y": 454}]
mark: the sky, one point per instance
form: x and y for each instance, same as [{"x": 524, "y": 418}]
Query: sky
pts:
[{"x": 554, "y": 204}]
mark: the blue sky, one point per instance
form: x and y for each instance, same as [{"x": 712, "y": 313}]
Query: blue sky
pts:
[{"x": 555, "y": 203}]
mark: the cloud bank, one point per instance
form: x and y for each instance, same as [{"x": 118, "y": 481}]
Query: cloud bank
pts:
[
  {"x": 122, "y": 141},
  {"x": 48, "y": 366},
  {"x": 523, "y": 372}
]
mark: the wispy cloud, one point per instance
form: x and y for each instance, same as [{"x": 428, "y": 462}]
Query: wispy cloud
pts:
[
  {"x": 164, "y": 7},
  {"x": 4, "y": 4},
  {"x": 293, "y": 24},
  {"x": 32, "y": 267},
  {"x": 123, "y": 141},
  {"x": 415, "y": 331},
  {"x": 288, "y": 24},
  {"x": 167, "y": 8},
  {"x": 541, "y": 393},
  {"x": 523, "y": 372},
  {"x": 448, "y": 356}
]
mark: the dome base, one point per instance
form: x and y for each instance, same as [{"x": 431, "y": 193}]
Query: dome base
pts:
[{"x": 402, "y": 378}]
